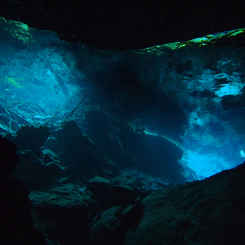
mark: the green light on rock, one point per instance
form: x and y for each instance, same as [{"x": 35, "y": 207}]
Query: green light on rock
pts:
[
  {"x": 201, "y": 41},
  {"x": 17, "y": 30}
]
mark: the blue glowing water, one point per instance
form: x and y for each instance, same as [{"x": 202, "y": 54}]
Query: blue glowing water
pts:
[{"x": 41, "y": 84}]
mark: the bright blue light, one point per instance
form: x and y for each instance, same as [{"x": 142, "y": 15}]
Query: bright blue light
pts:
[
  {"x": 211, "y": 144},
  {"x": 38, "y": 81},
  {"x": 230, "y": 89},
  {"x": 209, "y": 164}
]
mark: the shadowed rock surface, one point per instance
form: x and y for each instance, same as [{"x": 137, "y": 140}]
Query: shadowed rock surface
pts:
[
  {"x": 211, "y": 211},
  {"x": 119, "y": 210},
  {"x": 17, "y": 224},
  {"x": 126, "y": 24}
]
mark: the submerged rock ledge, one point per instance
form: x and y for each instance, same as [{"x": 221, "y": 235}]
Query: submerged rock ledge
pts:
[{"x": 211, "y": 211}]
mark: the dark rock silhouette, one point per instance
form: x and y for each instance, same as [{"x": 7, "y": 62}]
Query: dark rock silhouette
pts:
[
  {"x": 17, "y": 224},
  {"x": 211, "y": 211},
  {"x": 30, "y": 137},
  {"x": 8, "y": 157}
]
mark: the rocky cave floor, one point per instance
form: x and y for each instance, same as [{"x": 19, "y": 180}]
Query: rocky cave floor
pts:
[{"x": 109, "y": 208}]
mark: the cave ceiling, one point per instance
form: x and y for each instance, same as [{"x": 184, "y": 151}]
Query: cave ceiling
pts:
[{"x": 126, "y": 24}]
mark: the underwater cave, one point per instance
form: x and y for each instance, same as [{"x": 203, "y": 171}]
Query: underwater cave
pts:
[{"x": 99, "y": 131}]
